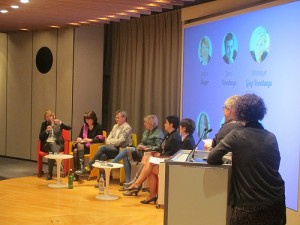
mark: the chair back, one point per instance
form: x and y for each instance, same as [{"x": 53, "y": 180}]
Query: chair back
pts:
[
  {"x": 134, "y": 140},
  {"x": 104, "y": 133},
  {"x": 66, "y": 135},
  {"x": 40, "y": 154}
]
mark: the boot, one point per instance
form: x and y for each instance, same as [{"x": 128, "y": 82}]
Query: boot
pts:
[
  {"x": 126, "y": 185},
  {"x": 81, "y": 159},
  {"x": 50, "y": 169},
  {"x": 80, "y": 165}
]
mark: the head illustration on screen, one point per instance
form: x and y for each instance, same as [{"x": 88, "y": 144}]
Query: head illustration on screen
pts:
[
  {"x": 204, "y": 50},
  {"x": 229, "y": 48},
  {"x": 202, "y": 123},
  {"x": 259, "y": 44}
]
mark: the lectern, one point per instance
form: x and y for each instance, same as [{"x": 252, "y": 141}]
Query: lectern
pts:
[{"x": 196, "y": 193}]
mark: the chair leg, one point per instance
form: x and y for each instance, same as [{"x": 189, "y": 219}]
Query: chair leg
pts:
[{"x": 40, "y": 166}]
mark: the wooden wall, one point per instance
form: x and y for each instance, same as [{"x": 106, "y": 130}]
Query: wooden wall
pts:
[{"x": 72, "y": 86}]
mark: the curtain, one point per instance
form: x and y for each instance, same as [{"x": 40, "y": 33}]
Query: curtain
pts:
[{"x": 143, "y": 69}]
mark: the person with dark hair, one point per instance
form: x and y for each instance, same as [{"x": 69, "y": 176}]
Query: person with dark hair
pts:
[
  {"x": 91, "y": 132},
  {"x": 169, "y": 144},
  {"x": 258, "y": 191},
  {"x": 151, "y": 170},
  {"x": 187, "y": 128},
  {"x": 120, "y": 136},
  {"x": 229, "y": 46},
  {"x": 51, "y": 138}
]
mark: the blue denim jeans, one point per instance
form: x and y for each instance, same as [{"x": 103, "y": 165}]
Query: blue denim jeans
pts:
[{"x": 127, "y": 166}]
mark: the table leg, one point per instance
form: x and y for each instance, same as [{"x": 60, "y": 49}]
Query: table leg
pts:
[
  {"x": 106, "y": 195},
  {"x": 58, "y": 184}
]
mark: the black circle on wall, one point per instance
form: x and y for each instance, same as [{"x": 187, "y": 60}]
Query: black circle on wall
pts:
[{"x": 44, "y": 60}]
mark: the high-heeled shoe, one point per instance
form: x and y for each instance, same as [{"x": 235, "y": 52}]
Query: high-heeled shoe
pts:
[
  {"x": 132, "y": 191},
  {"x": 154, "y": 199},
  {"x": 130, "y": 182}
]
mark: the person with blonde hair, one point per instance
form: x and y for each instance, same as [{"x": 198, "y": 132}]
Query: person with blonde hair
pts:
[
  {"x": 204, "y": 51},
  {"x": 51, "y": 137}
]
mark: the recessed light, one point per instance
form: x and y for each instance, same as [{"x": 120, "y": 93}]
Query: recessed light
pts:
[
  {"x": 14, "y": 6},
  {"x": 74, "y": 24},
  {"x": 24, "y": 1},
  {"x": 3, "y": 11}
]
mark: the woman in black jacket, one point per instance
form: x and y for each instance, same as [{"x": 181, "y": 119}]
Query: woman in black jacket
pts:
[
  {"x": 257, "y": 188},
  {"x": 51, "y": 137}
]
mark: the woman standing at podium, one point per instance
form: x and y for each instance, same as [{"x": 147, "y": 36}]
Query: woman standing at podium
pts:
[{"x": 258, "y": 190}]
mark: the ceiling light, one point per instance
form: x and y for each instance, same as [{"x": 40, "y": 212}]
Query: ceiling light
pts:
[
  {"x": 153, "y": 5},
  {"x": 14, "y": 6},
  {"x": 132, "y": 11},
  {"x": 74, "y": 24},
  {"x": 103, "y": 18},
  {"x": 24, "y": 1},
  {"x": 123, "y": 14},
  {"x": 3, "y": 11}
]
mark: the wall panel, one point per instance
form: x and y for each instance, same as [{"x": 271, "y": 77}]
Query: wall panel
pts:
[
  {"x": 64, "y": 75},
  {"x": 3, "y": 70},
  {"x": 44, "y": 86},
  {"x": 19, "y": 94},
  {"x": 88, "y": 73}
]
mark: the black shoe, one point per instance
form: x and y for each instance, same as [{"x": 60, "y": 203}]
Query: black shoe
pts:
[
  {"x": 76, "y": 177},
  {"x": 150, "y": 200},
  {"x": 132, "y": 191},
  {"x": 49, "y": 177}
]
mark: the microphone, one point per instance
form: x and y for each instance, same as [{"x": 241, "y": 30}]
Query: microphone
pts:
[{"x": 205, "y": 132}]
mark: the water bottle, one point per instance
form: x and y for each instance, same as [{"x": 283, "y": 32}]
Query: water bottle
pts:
[
  {"x": 70, "y": 179},
  {"x": 101, "y": 185}
]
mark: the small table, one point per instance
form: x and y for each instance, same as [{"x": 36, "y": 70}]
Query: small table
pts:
[
  {"x": 58, "y": 158},
  {"x": 107, "y": 169}
]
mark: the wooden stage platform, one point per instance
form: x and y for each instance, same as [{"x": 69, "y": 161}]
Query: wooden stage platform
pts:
[{"x": 29, "y": 200}]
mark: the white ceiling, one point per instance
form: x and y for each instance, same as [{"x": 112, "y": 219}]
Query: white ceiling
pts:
[{"x": 42, "y": 14}]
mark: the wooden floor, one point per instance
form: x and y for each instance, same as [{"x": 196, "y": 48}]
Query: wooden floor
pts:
[{"x": 29, "y": 200}]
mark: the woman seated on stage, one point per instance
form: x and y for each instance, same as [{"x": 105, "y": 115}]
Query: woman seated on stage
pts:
[
  {"x": 91, "y": 132},
  {"x": 150, "y": 170},
  {"x": 51, "y": 137}
]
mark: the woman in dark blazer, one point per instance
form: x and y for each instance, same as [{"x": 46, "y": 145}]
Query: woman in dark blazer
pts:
[{"x": 51, "y": 137}]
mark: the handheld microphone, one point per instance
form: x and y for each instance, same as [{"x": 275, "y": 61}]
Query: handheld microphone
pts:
[{"x": 205, "y": 132}]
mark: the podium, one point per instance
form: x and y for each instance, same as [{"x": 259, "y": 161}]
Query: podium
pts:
[{"x": 196, "y": 193}]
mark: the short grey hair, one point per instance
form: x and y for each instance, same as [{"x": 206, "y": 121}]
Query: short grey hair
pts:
[
  {"x": 230, "y": 101},
  {"x": 123, "y": 113},
  {"x": 152, "y": 119}
]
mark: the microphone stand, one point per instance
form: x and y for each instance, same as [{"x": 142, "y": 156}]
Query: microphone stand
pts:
[{"x": 206, "y": 131}]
